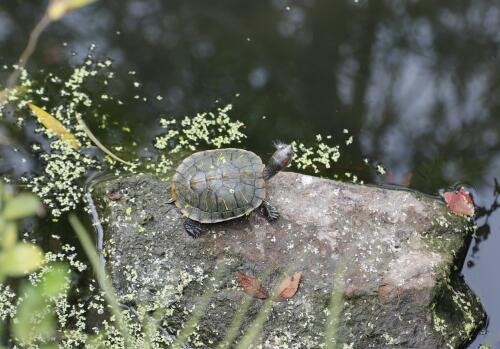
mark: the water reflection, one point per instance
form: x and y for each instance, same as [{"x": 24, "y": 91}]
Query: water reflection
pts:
[
  {"x": 415, "y": 82},
  {"x": 483, "y": 214}
]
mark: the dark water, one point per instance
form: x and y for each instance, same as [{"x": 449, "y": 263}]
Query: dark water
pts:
[{"x": 415, "y": 82}]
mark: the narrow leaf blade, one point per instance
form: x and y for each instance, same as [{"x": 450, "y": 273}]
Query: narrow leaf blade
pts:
[
  {"x": 52, "y": 124},
  {"x": 98, "y": 143}
]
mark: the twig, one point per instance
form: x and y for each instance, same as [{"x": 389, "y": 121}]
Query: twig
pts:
[{"x": 28, "y": 51}]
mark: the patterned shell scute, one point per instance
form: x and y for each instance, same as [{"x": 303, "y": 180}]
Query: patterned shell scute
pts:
[{"x": 218, "y": 185}]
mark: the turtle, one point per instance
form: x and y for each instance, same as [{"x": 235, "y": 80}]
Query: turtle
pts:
[{"x": 218, "y": 185}]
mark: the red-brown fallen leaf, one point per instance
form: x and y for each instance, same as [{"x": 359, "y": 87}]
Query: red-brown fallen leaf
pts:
[
  {"x": 288, "y": 287},
  {"x": 459, "y": 202},
  {"x": 251, "y": 286},
  {"x": 114, "y": 196}
]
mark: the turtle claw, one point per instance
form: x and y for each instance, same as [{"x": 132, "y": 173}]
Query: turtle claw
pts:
[
  {"x": 193, "y": 228},
  {"x": 270, "y": 211}
]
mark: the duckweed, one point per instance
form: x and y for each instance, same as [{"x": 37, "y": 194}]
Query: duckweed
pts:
[{"x": 59, "y": 183}]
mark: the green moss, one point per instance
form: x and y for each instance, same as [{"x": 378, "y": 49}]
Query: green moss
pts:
[
  {"x": 452, "y": 308},
  {"x": 457, "y": 313}
]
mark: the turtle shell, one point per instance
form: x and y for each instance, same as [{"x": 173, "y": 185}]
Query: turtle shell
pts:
[{"x": 218, "y": 185}]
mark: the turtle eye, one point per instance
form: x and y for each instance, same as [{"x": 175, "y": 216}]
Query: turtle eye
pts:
[{"x": 284, "y": 162}]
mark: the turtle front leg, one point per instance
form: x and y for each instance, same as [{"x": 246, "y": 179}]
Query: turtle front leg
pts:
[
  {"x": 193, "y": 228},
  {"x": 270, "y": 211}
]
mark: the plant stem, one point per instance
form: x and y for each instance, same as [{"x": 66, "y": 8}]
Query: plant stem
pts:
[
  {"x": 335, "y": 307},
  {"x": 238, "y": 318},
  {"x": 106, "y": 285},
  {"x": 101, "y": 146},
  {"x": 28, "y": 51},
  {"x": 190, "y": 325},
  {"x": 255, "y": 328}
]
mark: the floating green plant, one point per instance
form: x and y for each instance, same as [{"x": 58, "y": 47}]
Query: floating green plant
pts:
[{"x": 17, "y": 258}]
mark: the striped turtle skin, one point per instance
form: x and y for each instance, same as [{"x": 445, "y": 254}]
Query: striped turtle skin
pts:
[{"x": 218, "y": 185}]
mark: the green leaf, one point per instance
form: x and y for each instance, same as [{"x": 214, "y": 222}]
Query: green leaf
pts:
[
  {"x": 8, "y": 235},
  {"x": 5, "y": 194},
  {"x": 53, "y": 125},
  {"x": 55, "y": 281},
  {"x": 22, "y": 259},
  {"x": 34, "y": 319},
  {"x": 21, "y": 206}
]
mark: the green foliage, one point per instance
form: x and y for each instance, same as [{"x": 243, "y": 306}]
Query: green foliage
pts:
[
  {"x": 335, "y": 307},
  {"x": 9, "y": 235},
  {"x": 21, "y": 259},
  {"x": 109, "y": 291},
  {"x": 35, "y": 320},
  {"x": 22, "y": 206},
  {"x": 17, "y": 258}
]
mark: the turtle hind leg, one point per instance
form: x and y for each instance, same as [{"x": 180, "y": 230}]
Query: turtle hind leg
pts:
[
  {"x": 270, "y": 211},
  {"x": 193, "y": 228}
]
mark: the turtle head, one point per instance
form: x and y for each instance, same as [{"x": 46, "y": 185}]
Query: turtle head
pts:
[{"x": 280, "y": 159}]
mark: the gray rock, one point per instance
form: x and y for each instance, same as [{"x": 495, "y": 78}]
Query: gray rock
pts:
[{"x": 394, "y": 256}]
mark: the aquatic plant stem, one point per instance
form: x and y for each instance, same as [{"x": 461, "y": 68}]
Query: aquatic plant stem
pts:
[
  {"x": 255, "y": 328},
  {"x": 28, "y": 51},
  {"x": 106, "y": 285},
  {"x": 98, "y": 143},
  {"x": 238, "y": 318},
  {"x": 190, "y": 325},
  {"x": 335, "y": 307}
]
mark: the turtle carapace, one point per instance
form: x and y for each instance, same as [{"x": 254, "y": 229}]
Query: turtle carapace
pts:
[{"x": 218, "y": 185}]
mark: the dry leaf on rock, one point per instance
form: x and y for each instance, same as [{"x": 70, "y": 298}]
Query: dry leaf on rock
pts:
[
  {"x": 114, "y": 196},
  {"x": 459, "y": 202},
  {"x": 251, "y": 286},
  {"x": 288, "y": 287}
]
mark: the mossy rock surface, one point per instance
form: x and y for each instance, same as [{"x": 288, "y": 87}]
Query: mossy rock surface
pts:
[{"x": 401, "y": 287}]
